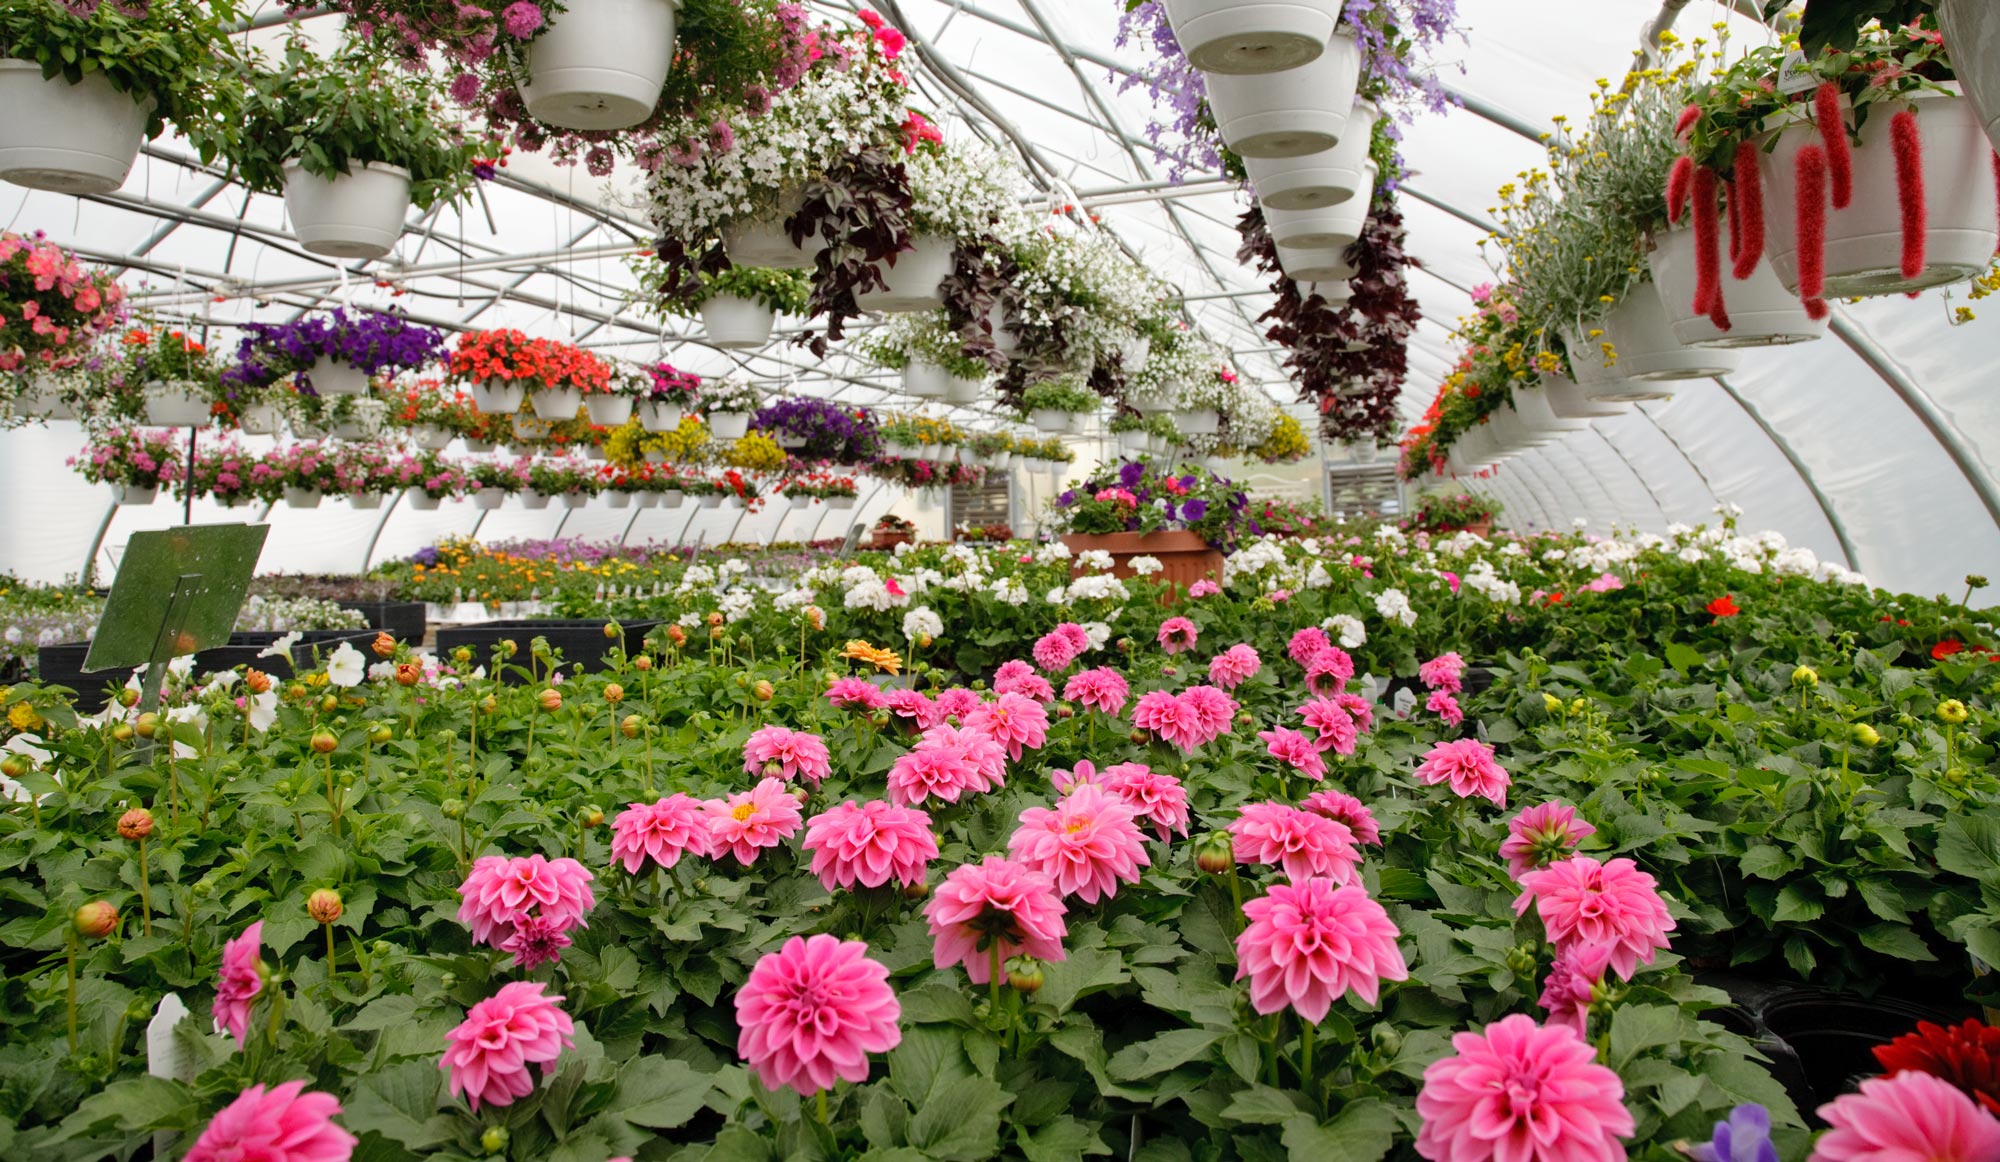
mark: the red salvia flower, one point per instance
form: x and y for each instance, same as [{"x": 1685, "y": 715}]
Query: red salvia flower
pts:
[
  {"x": 1967, "y": 1055},
  {"x": 1746, "y": 204},
  {"x": 1908, "y": 143},
  {"x": 1678, "y": 180},
  {"x": 1811, "y": 210},
  {"x": 1724, "y": 606},
  {"x": 1833, "y": 135}
]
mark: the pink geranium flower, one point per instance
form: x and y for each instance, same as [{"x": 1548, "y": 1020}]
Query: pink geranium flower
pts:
[
  {"x": 1469, "y": 767},
  {"x": 660, "y": 831},
  {"x": 1295, "y": 750},
  {"x": 1204, "y": 588},
  {"x": 1018, "y": 677},
  {"x": 1306, "y": 643},
  {"x": 1100, "y": 689},
  {"x": 948, "y": 761},
  {"x": 1520, "y": 1092},
  {"x": 994, "y": 905},
  {"x": 239, "y": 982},
  {"x": 1444, "y": 672},
  {"x": 1234, "y": 666},
  {"x": 869, "y": 844},
  {"x": 1087, "y": 843},
  {"x": 854, "y": 694},
  {"x": 1333, "y": 727},
  {"x": 500, "y": 893},
  {"x": 749, "y": 821},
  {"x": 490, "y": 1051},
  {"x": 1177, "y": 634},
  {"x": 1445, "y": 706},
  {"x": 1015, "y": 721},
  {"x": 1542, "y": 835},
  {"x": 1611, "y": 905},
  {"x": 1302, "y": 843},
  {"x": 779, "y": 752},
  {"x": 1346, "y": 810},
  {"x": 280, "y": 1124},
  {"x": 812, "y": 1012},
  {"x": 1905, "y": 1118},
  {"x": 1160, "y": 799},
  {"x": 1056, "y": 649},
  {"x": 1312, "y": 940}
]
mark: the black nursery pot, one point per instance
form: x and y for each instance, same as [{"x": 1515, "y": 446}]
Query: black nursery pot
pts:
[
  {"x": 62, "y": 665},
  {"x": 579, "y": 639},
  {"x": 1834, "y": 1036},
  {"x": 404, "y": 620}
]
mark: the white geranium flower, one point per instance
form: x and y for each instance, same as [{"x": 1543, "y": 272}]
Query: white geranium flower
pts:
[
  {"x": 1350, "y": 632},
  {"x": 1057, "y": 596},
  {"x": 1395, "y": 606},
  {"x": 1097, "y": 560},
  {"x": 381, "y": 671},
  {"x": 1098, "y": 633},
  {"x": 1052, "y": 552},
  {"x": 922, "y": 622},
  {"x": 1143, "y": 566},
  {"x": 346, "y": 667},
  {"x": 1010, "y": 591}
]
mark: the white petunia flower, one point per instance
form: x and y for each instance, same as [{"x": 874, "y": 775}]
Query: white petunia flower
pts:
[{"x": 346, "y": 667}]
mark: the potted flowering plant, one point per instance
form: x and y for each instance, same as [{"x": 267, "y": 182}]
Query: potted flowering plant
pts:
[
  {"x": 366, "y": 475},
  {"x": 891, "y": 530},
  {"x": 738, "y": 306},
  {"x": 500, "y": 367},
  {"x": 819, "y": 429},
  {"x": 675, "y": 393},
  {"x": 728, "y": 404},
  {"x": 1455, "y": 512},
  {"x": 931, "y": 355},
  {"x": 335, "y": 353},
  {"x": 225, "y": 473},
  {"x": 570, "y": 480},
  {"x": 1074, "y": 304},
  {"x": 179, "y": 377},
  {"x": 611, "y": 401},
  {"x": 1284, "y": 443},
  {"x": 958, "y": 197},
  {"x": 755, "y": 452},
  {"x": 1188, "y": 521},
  {"x": 304, "y": 473},
  {"x": 491, "y": 482},
  {"x": 52, "y": 307},
  {"x": 1202, "y": 399},
  {"x": 836, "y": 491},
  {"x": 992, "y": 450},
  {"x": 134, "y": 462},
  {"x": 1057, "y": 405},
  {"x": 569, "y": 373},
  {"x": 433, "y": 413},
  {"x": 433, "y": 480}
]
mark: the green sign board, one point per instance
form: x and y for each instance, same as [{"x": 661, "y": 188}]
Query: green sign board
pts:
[{"x": 178, "y": 592}]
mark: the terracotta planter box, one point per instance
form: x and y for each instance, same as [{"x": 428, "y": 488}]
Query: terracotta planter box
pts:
[
  {"x": 882, "y": 542},
  {"x": 1185, "y": 558}
]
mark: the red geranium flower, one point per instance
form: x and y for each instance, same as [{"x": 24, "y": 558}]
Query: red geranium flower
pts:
[
  {"x": 1724, "y": 606},
  {"x": 1946, "y": 648},
  {"x": 1967, "y": 1055}
]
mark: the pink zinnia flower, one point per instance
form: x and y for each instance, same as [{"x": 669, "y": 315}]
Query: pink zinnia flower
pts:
[
  {"x": 1160, "y": 799},
  {"x": 1100, "y": 689},
  {"x": 1295, "y": 750},
  {"x": 748, "y": 821},
  {"x": 1443, "y": 672},
  {"x": 1055, "y": 650},
  {"x": 1613, "y": 905},
  {"x": 1520, "y": 1092},
  {"x": 1468, "y": 766},
  {"x": 1177, "y": 634},
  {"x": 796, "y": 754},
  {"x": 490, "y": 1051},
  {"x": 813, "y": 1011},
  {"x": 956, "y": 702},
  {"x": 948, "y": 761},
  {"x": 1346, "y": 810},
  {"x": 1018, "y": 677},
  {"x": 1312, "y": 940},
  {"x": 1904, "y": 1118},
  {"x": 913, "y": 705},
  {"x": 1304, "y": 844},
  {"x": 1445, "y": 706},
  {"x": 1213, "y": 711},
  {"x": 1204, "y": 588},
  {"x": 1332, "y": 725},
  {"x": 1572, "y": 979},
  {"x": 1542, "y": 835},
  {"x": 997, "y": 904},
  {"x": 1306, "y": 643},
  {"x": 1234, "y": 666},
  {"x": 1087, "y": 843},
  {"x": 239, "y": 982},
  {"x": 1015, "y": 721},
  {"x": 281, "y": 1124},
  {"x": 854, "y": 693},
  {"x": 1327, "y": 671},
  {"x": 661, "y": 831},
  {"x": 1163, "y": 713},
  {"x": 500, "y": 892},
  {"x": 869, "y": 844}
]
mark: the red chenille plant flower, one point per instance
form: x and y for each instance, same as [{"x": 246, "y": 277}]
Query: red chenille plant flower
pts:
[{"x": 1967, "y": 1055}]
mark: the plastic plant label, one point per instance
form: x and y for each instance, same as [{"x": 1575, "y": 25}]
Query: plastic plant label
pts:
[{"x": 1793, "y": 75}]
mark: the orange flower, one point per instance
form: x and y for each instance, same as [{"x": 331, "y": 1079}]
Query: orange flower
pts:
[{"x": 883, "y": 660}]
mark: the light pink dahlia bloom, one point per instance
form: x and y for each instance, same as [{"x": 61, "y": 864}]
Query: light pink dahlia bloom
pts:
[
  {"x": 1310, "y": 941},
  {"x": 1304, "y": 844},
  {"x": 1100, "y": 689},
  {"x": 660, "y": 831},
  {"x": 1347, "y": 810},
  {"x": 1159, "y": 799},
  {"x": 869, "y": 844},
  {"x": 1163, "y": 713},
  {"x": 1018, "y": 677},
  {"x": 1328, "y": 671},
  {"x": 490, "y": 1051},
  {"x": 1015, "y": 721},
  {"x": 279, "y": 1124},
  {"x": 499, "y": 893},
  {"x": 947, "y": 762},
  {"x": 854, "y": 694},
  {"x": 994, "y": 904},
  {"x": 1307, "y": 642},
  {"x": 1056, "y": 649},
  {"x": 812, "y": 1012},
  {"x": 1910, "y": 1117},
  {"x": 1214, "y": 711},
  {"x": 1358, "y": 708},
  {"x": 1295, "y": 750},
  {"x": 1573, "y": 979},
  {"x": 1541, "y": 835},
  {"x": 1177, "y": 634},
  {"x": 749, "y": 821},
  {"x": 956, "y": 702},
  {"x": 1087, "y": 843},
  {"x": 1468, "y": 765},
  {"x": 1445, "y": 672},
  {"x": 1521, "y": 1092},
  {"x": 1234, "y": 666},
  {"x": 1610, "y": 905},
  {"x": 239, "y": 982},
  {"x": 1333, "y": 727},
  {"x": 1446, "y": 707},
  {"x": 913, "y": 705},
  {"x": 780, "y": 752}
]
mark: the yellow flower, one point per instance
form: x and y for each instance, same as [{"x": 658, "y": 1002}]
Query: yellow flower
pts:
[{"x": 22, "y": 716}]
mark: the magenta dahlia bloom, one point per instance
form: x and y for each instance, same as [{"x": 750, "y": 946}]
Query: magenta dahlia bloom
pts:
[
  {"x": 1177, "y": 634},
  {"x": 1333, "y": 727},
  {"x": 797, "y": 755},
  {"x": 999, "y": 904},
  {"x": 956, "y": 702},
  {"x": 913, "y": 705},
  {"x": 1234, "y": 666},
  {"x": 1542, "y": 835},
  {"x": 661, "y": 831},
  {"x": 1346, "y": 810},
  {"x": 1469, "y": 767},
  {"x": 1359, "y": 709},
  {"x": 1904, "y": 1118},
  {"x": 869, "y": 844},
  {"x": 490, "y": 1051},
  {"x": 1520, "y": 1092},
  {"x": 1304, "y": 844},
  {"x": 239, "y": 981},
  {"x": 1572, "y": 979},
  {"x": 812, "y": 1012},
  {"x": 1312, "y": 940},
  {"x": 1018, "y": 677},
  {"x": 948, "y": 761},
  {"x": 1445, "y": 672},
  {"x": 854, "y": 694},
  {"x": 1100, "y": 689},
  {"x": 1445, "y": 706},
  {"x": 1015, "y": 721},
  {"x": 279, "y": 1124},
  {"x": 1159, "y": 799},
  {"x": 1087, "y": 843},
  {"x": 1306, "y": 643},
  {"x": 500, "y": 893},
  {"x": 1328, "y": 671},
  {"x": 1214, "y": 711},
  {"x": 1613, "y": 905},
  {"x": 1055, "y": 650},
  {"x": 1295, "y": 750},
  {"x": 1163, "y": 713},
  {"x": 749, "y": 821}
]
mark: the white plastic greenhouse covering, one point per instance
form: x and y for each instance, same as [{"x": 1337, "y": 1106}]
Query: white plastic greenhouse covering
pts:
[{"x": 1877, "y": 447}]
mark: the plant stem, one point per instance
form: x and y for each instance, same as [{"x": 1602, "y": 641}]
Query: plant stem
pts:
[
  {"x": 332, "y": 803},
  {"x": 1306, "y": 1054},
  {"x": 332, "y": 963},
  {"x": 71, "y": 992},
  {"x": 822, "y": 1107},
  {"x": 145, "y": 892}
]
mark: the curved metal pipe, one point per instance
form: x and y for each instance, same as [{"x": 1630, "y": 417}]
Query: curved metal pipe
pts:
[{"x": 388, "y": 510}]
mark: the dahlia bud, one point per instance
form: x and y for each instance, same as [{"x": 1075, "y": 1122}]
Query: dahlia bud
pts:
[
  {"x": 1065, "y": 711},
  {"x": 677, "y": 635},
  {"x": 15, "y": 765},
  {"x": 494, "y": 1139},
  {"x": 1387, "y": 1038},
  {"x": 550, "y": 700},
  {"x": 1552, "y": 704},
  {"x": 1579, "y": 706},
  {"x": 630, "y": 727},
  {"x": 1805, "y": 676},
  {"x": 462, "y": 655},
  {"x": 329, "y": 703},
  {"x": 714, "y": 619},
  {"x": 408, "y": 673},
  {"x": 916, "y": 891},
  {"x": 324, "y": 906},
  {"x": 509, "y": 647},
  {"x": 128, "y": 697},
  {"x": 324, "y": 742},
  {"x": 1124, "y": 645},
  {"x": 1024, "y": 974},
  {"x": 592, "y": 816},
  {"x": 538, "y": 646},
  {"x": 923, "y": 641},
  {"x": 1952, "y": 711},
  {"x": 135, "y": 824},
  {"x": 452, "y": 808},
  {"x": 644, "y": 664},
  {"x": 97, "y": 919},
  {"x": 123, "y": 732},
  {"x": 611, "y": 631},
  {"x": 489, "y": 704},
  {"x": 1138, "y": 737},
  {"x": 763, "y": 691},
  {"x": 148, "y": 724},
  {"x": 385, "y": 646},
  {"x": 1521, "y": 960},
  {"x": 1975, "y": 581},
  {"x": 715, "y": 633},
  {"x": 1170, "y": 671},
  {"x": 1865, "y": 734},
  {"x": 381, "y": 734},
  {"x": 614, "y": 693},
  {"x": 1216, "y": 855}
]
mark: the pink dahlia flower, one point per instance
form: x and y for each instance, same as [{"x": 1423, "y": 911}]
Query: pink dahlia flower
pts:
[
  {"x": 1444, "y": 672},
  {"x": 1469, "y": 767},
  {"x": 1159, "y": 799},
  {"x": 1906, "y": 1118},
  {"x": 500, "y": 893},
  {"x": 796, "y": 755},
  {"x": 1306, "y": 643},
  {"x": 1613, "y": 905},
  {"x": 1312, "y": 940},
  {"x": 1333, "y": 727},
  {"x": 1087, "y": 843},
  {"x": 914, "y": 706},
  {"x": 1177, "y": 634},
  {"x": 1328, "y": 671},
  {"x": 1055, "y": 650},
  {"x": 956, "y": 702},
  {"x": 948, "y": 761},
  {"x": 1572, "y": 980},
  {"x": 1359, "y": 709},
  {"x": 661, "y": 831},
  {"x": 1304, "y": 844},
  {"x": 1214, "y": 711},
  {"x": 279, "y": 1124},
  {"x": 869, "y": 844},
  {"x": 994, "y": 904},
  {"x": 1295, "y": 750},
  {"x": 1346, "y": 810},
  {"x": 1234, "y": 666},
  {"x": 1520, "y": 1092},
  {"x": 1100, "y": 689},
  {"x": 813, "y": 1011},
  {"x": 1542, "y": 835},
  {"x": 490, "y": 1051},
  {"x": 1015, "y": 721},
  {"x": 1163, "y": 713},
  {"x": 1018, "y": 677},
  {"x": 854, "y": 694},
  {"x": 1079, "y": 637},
  {"x": 1445, "y": 706},
  {"x": 239, "y": 982},
  {"x": 749, "y": 821},
  {"x": 535, "y": 941}
]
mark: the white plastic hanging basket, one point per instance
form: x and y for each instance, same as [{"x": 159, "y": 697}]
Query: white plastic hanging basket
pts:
[
  {"x": 1316, "y": 264},
  {"x": 1237, "y": 37},
  {"x": 1291, "y": 113},
  {"x": 1568, "y": 400},
  {"x": 800, "y": 500},
  {"x": 1536, "y": 411},
  {"x": 359, "y": 215},
  {"x": 1049, "y": 420},
  {"x": 533, "y": 499},
  {"x": 1004, "y": 340},
  {"x": 1762, "y": 312},
  {"x": 964, "y": 389},
  {"x": 736, "y": 324},
  {"x": 260, "y": 419},
  {"x": 365, "y": 501},
  {"x": 302, "y": 497},
  {"x": 420, "y": 500},
  {"x": 1197, "y": 421},
  {"x": 1641, "y": 333},
  {"x": 925, "y": 379},
  {"x": 1322, "y": 227},
  {"x": 608, "y": 411},
  {"x": 656, "y": 416},
  {"x": 1134, "y": 441},
  {"x": 1972, "y": 29},
  {"x": 177, "y": 404},
  {"x": 489, "y": 499},
  {"x": 729, "y": 425},
  {"x": 73, "y": 139},
  {"x": 762, "y": 241},
  {"x": 330, "y": 376},
  {"x": 710, "y": 500},
  {"x": 1336, "y": 294},
  {"x": 913, "y": 281},
  {"x": 558, "y": 404},
  {"x": 135, "y": 494},
  {"x": 1327, "y": 178},
  {"x": 1134, "y": 352},
  {"x": 619, "y": 498},
  {"x": 600, "y": 64},
  {"x": 497, "y": 397},
  {"x": 575, "y": 500},
  {"x": 479, "y": 447}
]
